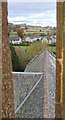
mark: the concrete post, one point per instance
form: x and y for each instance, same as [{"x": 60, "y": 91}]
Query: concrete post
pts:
[
  {"x": 0, "y": 60},
  {"x": 7, "y": 83},
  {"x": 60, "y": 79},
  {"x": 64, "y": 64}
]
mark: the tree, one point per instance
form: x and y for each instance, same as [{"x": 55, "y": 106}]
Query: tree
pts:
[
  {"x": 40, "y": 30},
  {"x": 26, "y": 27},
  {"x": 20, "y": 31},
  {"x": 16, "y": 64}
]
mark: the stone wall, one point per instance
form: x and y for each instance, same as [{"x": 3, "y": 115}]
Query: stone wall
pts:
[{"x": 7, "y": 83}]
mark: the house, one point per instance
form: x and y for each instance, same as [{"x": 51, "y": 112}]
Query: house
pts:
[
  {"x": 44, "y": 40},
  {"x": 54, "y": 38},
  {"x": 32, "y": 38},
  {"x": 15, "y": 39},
  {"x": 28, "y": 39},
  {"x": 50, "y": 39}
]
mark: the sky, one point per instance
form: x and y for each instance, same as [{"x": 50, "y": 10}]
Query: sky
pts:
[{"x": 32, "y": 13}]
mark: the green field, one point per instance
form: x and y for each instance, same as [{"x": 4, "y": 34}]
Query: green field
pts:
[
  {"x": 26, "y": 52},
  {"x": 52, "y": 49},
  {"x": 29, "y": 33},
  {"x": 13, "y": 33},
  {"x": 22, "y": 47}
]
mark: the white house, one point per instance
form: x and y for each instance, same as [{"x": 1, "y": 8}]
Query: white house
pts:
[
  {"x": 50, "y": 39},
  {"x": 44, "y": 40},
  {"x": 32, "y": 39},
  {"x": 28, "y": 39},
  {"x": 15, "y": 39}
]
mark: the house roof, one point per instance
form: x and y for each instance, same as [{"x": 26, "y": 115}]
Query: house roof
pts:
[
  {"x": 33, "y": 36},
  {"x": 12, "y": 38},
  {"x": 49, "y": 38}
]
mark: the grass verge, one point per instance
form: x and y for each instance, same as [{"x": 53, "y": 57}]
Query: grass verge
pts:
[{"x": 52, "y": 49}]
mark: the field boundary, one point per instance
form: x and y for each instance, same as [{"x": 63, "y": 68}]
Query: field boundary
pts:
[
  {"x": 35, "y": 57},
  {"x": 52, "y": 53}
]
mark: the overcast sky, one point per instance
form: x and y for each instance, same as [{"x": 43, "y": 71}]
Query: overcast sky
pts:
[{"x": 32, "y": 13}]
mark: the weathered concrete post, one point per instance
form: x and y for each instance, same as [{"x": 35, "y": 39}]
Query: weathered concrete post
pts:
[
  {"x": 60, "y": 47},
  {"x": 64, "y": 65},
  {"x": 7, "y": 83},
  {"x": 0, "y": 60}
]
